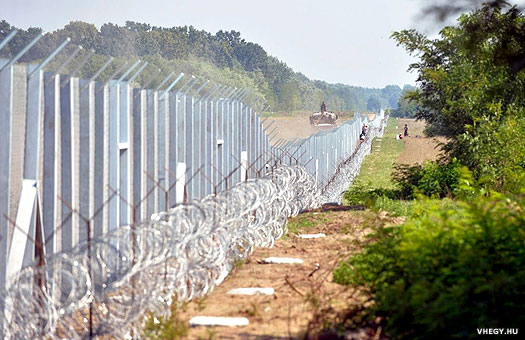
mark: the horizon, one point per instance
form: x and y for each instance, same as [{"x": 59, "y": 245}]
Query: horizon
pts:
[{"x": 306, "y": 48}]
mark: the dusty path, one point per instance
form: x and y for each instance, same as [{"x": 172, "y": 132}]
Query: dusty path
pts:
[
  {"x": 418, "y": 148},
  {"x": 300, "y": 290},
  {"x": 291, "y": 127},
  {"x": 295, "y": 127}
]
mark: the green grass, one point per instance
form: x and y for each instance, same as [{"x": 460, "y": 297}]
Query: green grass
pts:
[
  {"x": 374, "y": 186},
  {"x": 305, "y": 221},
  {"x": 377, "y": 168}
]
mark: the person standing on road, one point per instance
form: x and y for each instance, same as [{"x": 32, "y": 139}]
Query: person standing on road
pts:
[{"x": 405, "y": 133}]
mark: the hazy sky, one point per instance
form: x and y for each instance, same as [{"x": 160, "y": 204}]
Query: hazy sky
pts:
[{"x": 339, "y": 41}]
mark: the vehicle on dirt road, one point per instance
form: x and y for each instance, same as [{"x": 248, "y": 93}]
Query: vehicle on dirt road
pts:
[{"x": 323, "y": 118}]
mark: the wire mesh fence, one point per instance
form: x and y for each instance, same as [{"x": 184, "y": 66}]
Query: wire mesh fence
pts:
[{"x": 118, "y": 199}]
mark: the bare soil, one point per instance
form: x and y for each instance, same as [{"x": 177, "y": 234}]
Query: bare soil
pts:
[
  {"x": 418, "y": 147},
  {"x": 295, "y": 127},
  {"x": 301, "y": 291}
]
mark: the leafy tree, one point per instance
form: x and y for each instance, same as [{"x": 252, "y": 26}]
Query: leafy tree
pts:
[
  {"x": 471, "y": 84},
  {"x": 391, "y": 94},
  {"x": 81, "y": 33},
  {"x": 224, "y": 57},
  {"x": 406, "y": 108},
  {"x": 373, "y": 104}
]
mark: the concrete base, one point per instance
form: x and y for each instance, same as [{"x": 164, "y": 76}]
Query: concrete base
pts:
[
  {"x": 251, "y": 291},
  {"x": 320, "y": 235},
  {"x": 218, "y": 321},
  {"x": 282, "y": 260}
]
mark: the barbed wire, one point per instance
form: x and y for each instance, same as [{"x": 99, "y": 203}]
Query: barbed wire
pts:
[
  {"x": 106, "y": 285},
  {"x": 111, "y": 281},
  {"x": 349, "y": 169}
]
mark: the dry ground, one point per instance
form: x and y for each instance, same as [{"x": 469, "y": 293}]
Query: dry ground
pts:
[
  {"x": 296, "y": 127},
  {"x": 300, "y": 290},
  {"x": 418, "y": 148},
  {"x": 291, "y": 127}
]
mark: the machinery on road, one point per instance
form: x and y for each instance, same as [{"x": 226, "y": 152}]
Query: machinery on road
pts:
[{"x": 323, "y": 118}]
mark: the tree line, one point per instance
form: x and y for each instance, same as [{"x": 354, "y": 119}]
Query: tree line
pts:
[{"x": 224, "y": 57}]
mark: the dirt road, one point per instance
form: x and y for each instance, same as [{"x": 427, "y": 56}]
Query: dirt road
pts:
[
  {"x": 295, "y": 127},
  {"x": 291, "y": 127},
  {"x": 302, "y": 293},
  {"x": 418, "y": 147}
]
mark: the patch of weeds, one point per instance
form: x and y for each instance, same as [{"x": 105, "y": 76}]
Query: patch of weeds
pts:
[
  {"x": 211, "y": 333},
  {"x": 378, "y": 199},
  {"x": 297, "y": 223},
  {"x": 200, "y": 303},
  {"x": 253, "y": 310},
  {"x": 307, "y": 220},
  {"x": 161, "y": 328},
  {"x": 238, "y": 264},
  {"x": 352, "y": 242},
  {"x": 346, "y": 228},
  {"x": 313, "y": 299},
  {"x": 394, "y": 207}
]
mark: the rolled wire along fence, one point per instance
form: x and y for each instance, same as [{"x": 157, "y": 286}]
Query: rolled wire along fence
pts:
[{"x": 118, "y": 200}]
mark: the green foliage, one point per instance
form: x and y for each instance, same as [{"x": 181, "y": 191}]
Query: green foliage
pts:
[
  {"x": 224, "y": 57},
  {"x": 406, "y": 108},
  {"x": 304, "y": 221},
  {"x": 433, "y": 179},
  {"x": 452, "y": 268},
  {"x": 499, "y": 152},
  {"x": 373, "y": 104},
  {"x": 472, "y": 90},
  {"x": 395, "y": 206},
  {"x": 389, "y": 199},
  {"x": 165, "y": 328}
]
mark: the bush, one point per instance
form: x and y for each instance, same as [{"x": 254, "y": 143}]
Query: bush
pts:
[
  {"x": 433, "y": 179},
  {"x": 377, "y": 199},
  {"x": 452, "y": 268},
  {"x": 497, "y": 153},
  {"x": 165, "y": 328}
]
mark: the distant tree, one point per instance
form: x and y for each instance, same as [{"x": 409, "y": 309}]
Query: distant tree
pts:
[
  {"x": 373, "y": 104},
  {"x": 223, "y": 57},
  {"x": 391, "y": 94},
  {"x": 83, "y": 34},
  {"x": 117, "y": 41},
  {"x": 405, "y": 107}
]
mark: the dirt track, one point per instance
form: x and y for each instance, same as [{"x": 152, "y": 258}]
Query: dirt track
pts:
[
  {"x": 418, "y": 148},
  {"x": 290, "y": 128},
  {"x": 294, "y": 127},
  {"x": 300, "y": 290}
]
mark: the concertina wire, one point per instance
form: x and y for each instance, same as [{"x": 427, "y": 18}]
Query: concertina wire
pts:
[{"x": 106, "y": 286}]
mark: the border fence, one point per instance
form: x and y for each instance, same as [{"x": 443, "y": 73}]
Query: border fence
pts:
[{"x": 85, "y": 163}]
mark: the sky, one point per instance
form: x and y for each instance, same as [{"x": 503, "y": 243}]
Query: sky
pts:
[{"x": 338, "y": 41}]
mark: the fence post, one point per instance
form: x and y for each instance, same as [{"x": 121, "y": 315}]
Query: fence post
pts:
[
  {"x": 113, "y": 153},
  {"x": 160, "y": 139},
  {"x": 149, "y": 152},
  {"x": 180, "y": 173},
  {"x": 124, "y": 140},
  {"x": 137, "y": 150},
  {"x": 100, "y": 158},
  {"x": 49, "y": 174},
  {"x": 171, "y": 144},
  {"x": 6, "y": 111}
]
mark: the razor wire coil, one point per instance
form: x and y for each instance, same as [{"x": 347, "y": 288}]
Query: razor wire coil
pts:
[{"x": 104, "y": 286}]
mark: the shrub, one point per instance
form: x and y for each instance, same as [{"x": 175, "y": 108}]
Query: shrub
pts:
[
  {"x": 377, "y": 199},
  {"x": 452, "y": 268},
  {"x": 165, "y": 328},
  {"x": 433, "y": 179}
]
